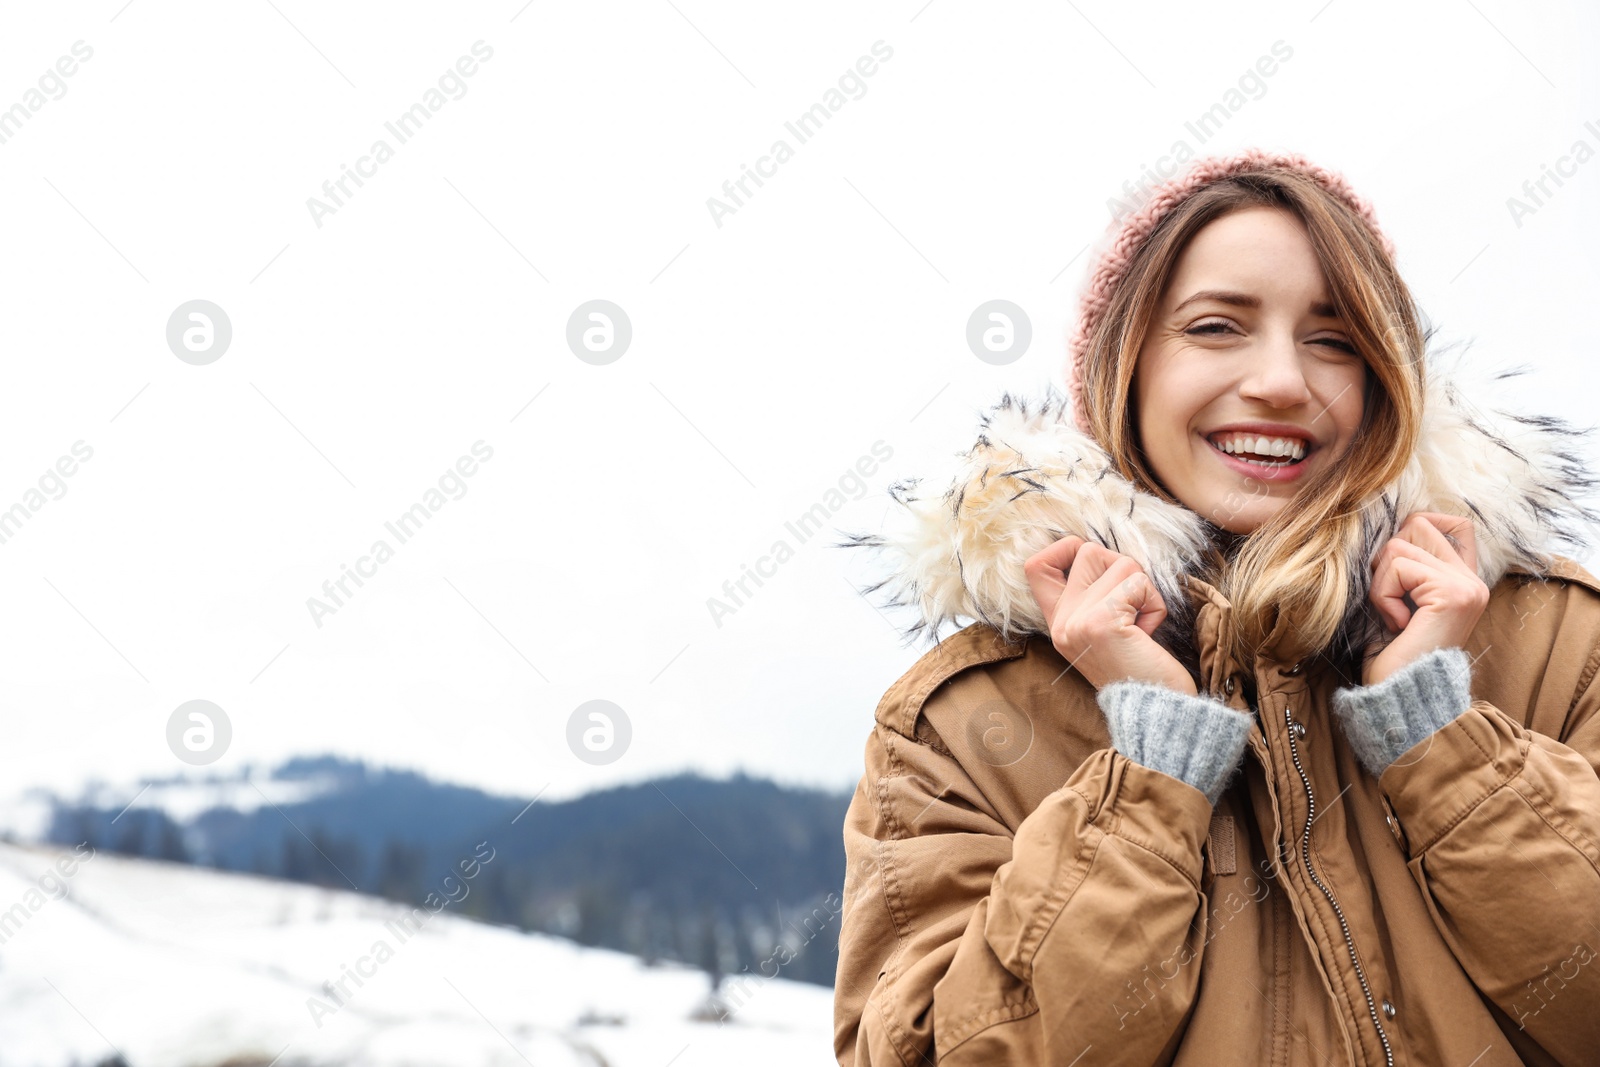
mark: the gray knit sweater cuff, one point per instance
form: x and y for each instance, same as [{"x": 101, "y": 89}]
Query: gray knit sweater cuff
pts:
[
  {"x": 1382, "y": 722},
  {"x": 1192, "y": 738}
]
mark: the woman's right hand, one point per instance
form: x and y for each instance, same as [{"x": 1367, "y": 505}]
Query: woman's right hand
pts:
[{"x": 1101, "y": 608}]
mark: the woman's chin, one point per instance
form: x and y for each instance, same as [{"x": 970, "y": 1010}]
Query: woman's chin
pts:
[{"x": 1239, "y": 512}]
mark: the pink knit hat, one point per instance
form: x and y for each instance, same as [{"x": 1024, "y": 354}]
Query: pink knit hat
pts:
[{"x": 1124, "y": 236}]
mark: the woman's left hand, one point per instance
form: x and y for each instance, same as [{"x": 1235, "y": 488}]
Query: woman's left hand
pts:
[{"x": 1433, "y": 559}]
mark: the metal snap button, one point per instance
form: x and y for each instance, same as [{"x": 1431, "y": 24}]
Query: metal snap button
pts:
[
  {"x": 1388, "y": 1009},
  {"x": 1227, "y": 686},
  {"x": 1292, "y": 671},
  {"x": 1298, "y": 727}
]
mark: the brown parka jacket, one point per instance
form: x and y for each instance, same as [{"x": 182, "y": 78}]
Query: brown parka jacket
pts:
[{"x": 1018, "y": 892}]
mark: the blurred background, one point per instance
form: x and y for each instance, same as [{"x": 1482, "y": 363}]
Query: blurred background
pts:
[{"x": 428, "y": 428}]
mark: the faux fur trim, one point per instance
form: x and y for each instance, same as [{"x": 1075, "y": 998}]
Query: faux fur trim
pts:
[{"x": 1032, "y": 477}]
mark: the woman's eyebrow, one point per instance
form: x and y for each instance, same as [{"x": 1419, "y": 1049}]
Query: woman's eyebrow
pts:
[{"x": 1321, "y": 309}]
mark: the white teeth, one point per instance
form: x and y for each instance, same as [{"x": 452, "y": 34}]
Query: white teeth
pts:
[{"x": 1292, "y": 448}]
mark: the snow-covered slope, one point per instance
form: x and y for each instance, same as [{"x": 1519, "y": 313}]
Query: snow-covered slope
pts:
[
  {"x": 174, "y": 966},
  {"x": 180, "y": 796}
]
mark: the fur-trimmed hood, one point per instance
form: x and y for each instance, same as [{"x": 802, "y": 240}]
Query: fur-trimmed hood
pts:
[{"x": 1032, "y": 477}]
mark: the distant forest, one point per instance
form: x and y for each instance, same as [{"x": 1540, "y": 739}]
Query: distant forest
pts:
[{"x": 719, "y": 874}]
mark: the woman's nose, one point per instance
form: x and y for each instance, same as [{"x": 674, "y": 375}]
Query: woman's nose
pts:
[{"x": 1275, "y": 375}]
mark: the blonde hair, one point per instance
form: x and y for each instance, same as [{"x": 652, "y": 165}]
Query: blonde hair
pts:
[{"x": 1296, "y": 562}]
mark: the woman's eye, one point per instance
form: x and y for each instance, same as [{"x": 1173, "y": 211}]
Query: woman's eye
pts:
[{"x": 1215, "y": 328}]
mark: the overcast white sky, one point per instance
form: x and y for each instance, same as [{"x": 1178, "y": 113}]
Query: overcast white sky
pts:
[{"x": 429, "y": 312}]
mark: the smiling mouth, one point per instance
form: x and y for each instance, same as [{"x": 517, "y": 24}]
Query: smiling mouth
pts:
[{"x": 1265, "y": 461}]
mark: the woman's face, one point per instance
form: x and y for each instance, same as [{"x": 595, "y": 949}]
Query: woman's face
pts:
[{"x": 1245, "y": 353}]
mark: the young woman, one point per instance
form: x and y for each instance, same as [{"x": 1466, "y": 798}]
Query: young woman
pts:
[{"x": 1276, "y": 739}]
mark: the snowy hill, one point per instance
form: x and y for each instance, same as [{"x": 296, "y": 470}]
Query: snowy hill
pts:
[
  {"x": 681, "y": 867},
  {"x": 167, "y": 965}
]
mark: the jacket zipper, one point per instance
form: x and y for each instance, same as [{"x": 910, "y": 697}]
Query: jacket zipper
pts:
[{"x": 1305, "y": 858}]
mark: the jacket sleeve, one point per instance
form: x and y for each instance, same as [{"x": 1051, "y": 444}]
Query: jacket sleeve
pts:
[
  {"x": 1074, "y": 940},
  {"x": 1502, "y": 830}
]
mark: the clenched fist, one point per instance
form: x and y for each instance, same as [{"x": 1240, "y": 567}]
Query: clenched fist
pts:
[
  {"x": 1426, "y": 588},
  {"x": 1102, "y": 607}
]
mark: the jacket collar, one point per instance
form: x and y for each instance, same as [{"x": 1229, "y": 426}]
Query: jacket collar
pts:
[{"x": 957, "y": 547}]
